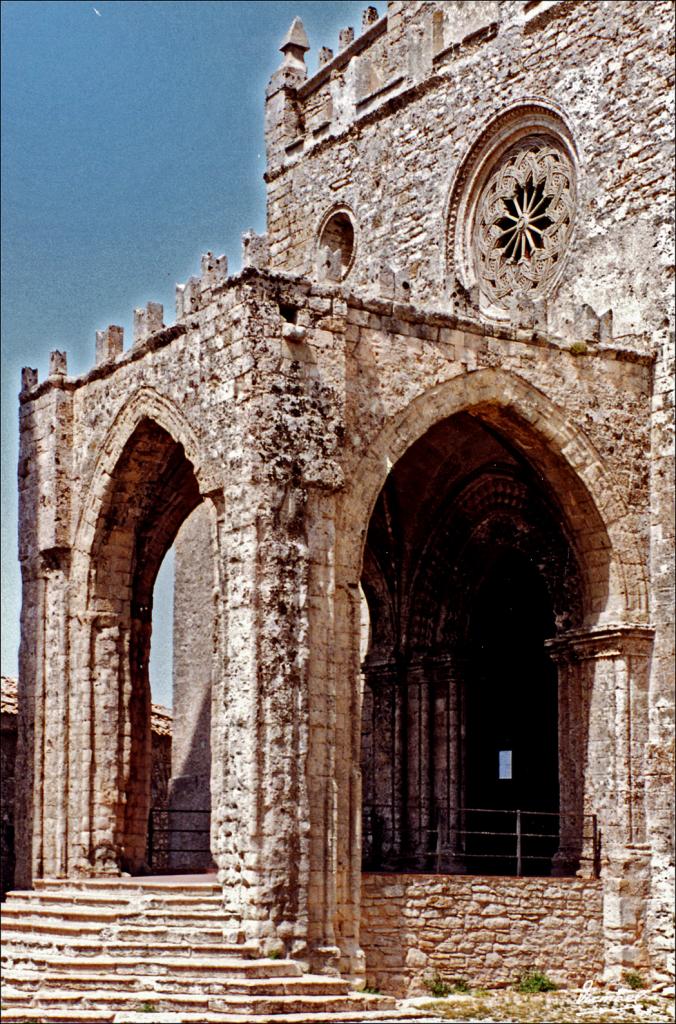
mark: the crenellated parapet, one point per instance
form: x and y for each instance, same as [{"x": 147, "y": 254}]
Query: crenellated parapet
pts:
[{"x": 366, "y": 69}]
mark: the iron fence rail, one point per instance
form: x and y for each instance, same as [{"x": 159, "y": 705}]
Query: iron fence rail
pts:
[
  {"x": 164, "y": 825},
  {"x": 516, "y": 845},
  {"x": 389, "y": 844}
]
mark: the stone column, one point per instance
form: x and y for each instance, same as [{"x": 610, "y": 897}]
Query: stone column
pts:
[
  {"x": 56, "y": 714},
  {"x": 260, "y": 818},
  {"x": 418, "y": 795},
  {"x": 189, "y": 799},
  {"x": 285, "y": 771},
  {"x": 44, "y": 553},
  {"x": 385, "y": 780},
  {"x": 575, "y": 681},
  {"x": 109, "y": 744},
  {"x": 603, "y": 724},
  {"x": 108, "y": 651},
  {"x": 446, "y": 753}
]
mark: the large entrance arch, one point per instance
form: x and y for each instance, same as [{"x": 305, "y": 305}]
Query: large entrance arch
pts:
[
  {"x": 601, "y": 638},
  {"x": 468, "y": 571}
]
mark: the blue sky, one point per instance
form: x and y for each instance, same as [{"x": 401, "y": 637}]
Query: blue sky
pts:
[{"x": 132, "y": 142}]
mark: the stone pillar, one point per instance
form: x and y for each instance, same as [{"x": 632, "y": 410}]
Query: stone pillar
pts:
[
  {"x": 660, "y": 762},
  {"x": 108, "y": 653},
  {"x": 575, "y": 852},
  {"x": 446, "y": 754},
  {"x": 190, "y": 788},
  {"x": 109, "y": 741},
  {"x": 44, "y": 553},
  {"x": 419, "y": 823},
  {"x": 385, "y": 783},
  {"x": 260, "y": 817},
  {"x": 603, "y": 723},
  {"x": 55, "y": 676}
]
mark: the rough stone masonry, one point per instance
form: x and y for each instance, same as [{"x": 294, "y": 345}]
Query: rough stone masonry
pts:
[{"x": 428, "y": 428}]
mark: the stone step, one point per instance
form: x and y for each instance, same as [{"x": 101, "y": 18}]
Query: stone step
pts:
[
  {"x": 166, "y": 966},
  {"x": 132, "y": 950},
  {"x": 52, "y": 930},
  {"x": 18, "y": 949},
  {"x": 111, "y": 898},
  {"x": 236, "y": 1005},
  {"x": 183, "y": 936},
  {"x": 168, "y": 916},
  {"x": 23, "y": 1015},
  {"x": 11, "y": 911},
  {"x": 201, "y": 984},
  {"x": 49, "y": 926},
  {"x": 118, "y": 884},
  {"x": 107, "y": 915},
  {"x": 89, "y": 1016}
]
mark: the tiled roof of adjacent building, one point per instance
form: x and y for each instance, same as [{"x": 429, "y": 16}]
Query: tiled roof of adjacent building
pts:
[
  {"x": 161, "y": 720},
  {"x": 8, "y": 704}
]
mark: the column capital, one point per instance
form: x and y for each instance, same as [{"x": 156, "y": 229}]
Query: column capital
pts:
[
  {"x": 431, "y": 658},
  {"x": 601, "y": 642},
  {"x": 380, "y": 669}
]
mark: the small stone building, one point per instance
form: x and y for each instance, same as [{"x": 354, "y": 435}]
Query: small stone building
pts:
[{"x": 424, "y": 621}]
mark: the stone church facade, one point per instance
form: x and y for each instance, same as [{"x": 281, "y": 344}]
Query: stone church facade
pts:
[{"x": 423, "y": 440}]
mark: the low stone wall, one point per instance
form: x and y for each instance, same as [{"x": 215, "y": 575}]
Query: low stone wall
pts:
[{"x": 483, "y": 930}]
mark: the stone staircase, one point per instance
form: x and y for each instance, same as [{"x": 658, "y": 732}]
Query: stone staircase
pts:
[{"x": 147, "y": 950}]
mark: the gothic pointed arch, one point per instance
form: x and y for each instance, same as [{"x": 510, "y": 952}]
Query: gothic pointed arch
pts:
[
  {"x": 557, "y": 449},
  {"x": 144, "y": 486},
  {"x": 144, "y": 404}
]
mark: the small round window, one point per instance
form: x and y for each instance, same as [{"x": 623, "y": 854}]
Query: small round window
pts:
[{"x": 336, "y": 246}]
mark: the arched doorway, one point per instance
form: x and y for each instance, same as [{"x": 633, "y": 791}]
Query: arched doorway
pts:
[
  {"x": 468, "y": 570},
  {"x": 150, "y": 493}
]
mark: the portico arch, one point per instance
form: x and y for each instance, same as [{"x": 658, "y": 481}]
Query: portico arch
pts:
[
  {"x": 594, "y": 523},
  {"x": 144, "y": 486}
]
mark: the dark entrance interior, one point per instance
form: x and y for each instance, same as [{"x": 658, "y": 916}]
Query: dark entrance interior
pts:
[
  {"x": 510, "y": 720},
  {"x": 467, "y": 572}
]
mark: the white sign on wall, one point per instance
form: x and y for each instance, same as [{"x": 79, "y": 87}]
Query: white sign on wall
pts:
[{"x": 504, "y": 764}]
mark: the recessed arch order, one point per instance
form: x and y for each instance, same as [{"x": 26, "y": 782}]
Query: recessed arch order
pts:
[{"x": 593, "y": 508}]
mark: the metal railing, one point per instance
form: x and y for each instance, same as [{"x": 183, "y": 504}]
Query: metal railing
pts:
[
  {"x": 498, "y": 841},
  {"x": 165, "y": 825}
]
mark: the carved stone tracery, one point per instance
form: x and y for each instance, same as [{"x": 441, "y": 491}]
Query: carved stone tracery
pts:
[{"x": 524, "y": 220}]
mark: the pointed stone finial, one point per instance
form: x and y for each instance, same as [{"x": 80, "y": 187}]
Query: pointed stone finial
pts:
[{"x": 295, "y": 44}]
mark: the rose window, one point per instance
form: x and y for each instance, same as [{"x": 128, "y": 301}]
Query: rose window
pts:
[{"x": 524, "y": 221}]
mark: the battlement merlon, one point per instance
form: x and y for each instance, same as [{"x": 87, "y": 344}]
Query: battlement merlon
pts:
[
  {"x": 213, "y": 306},
  {"x": 410, "y": 43}
]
